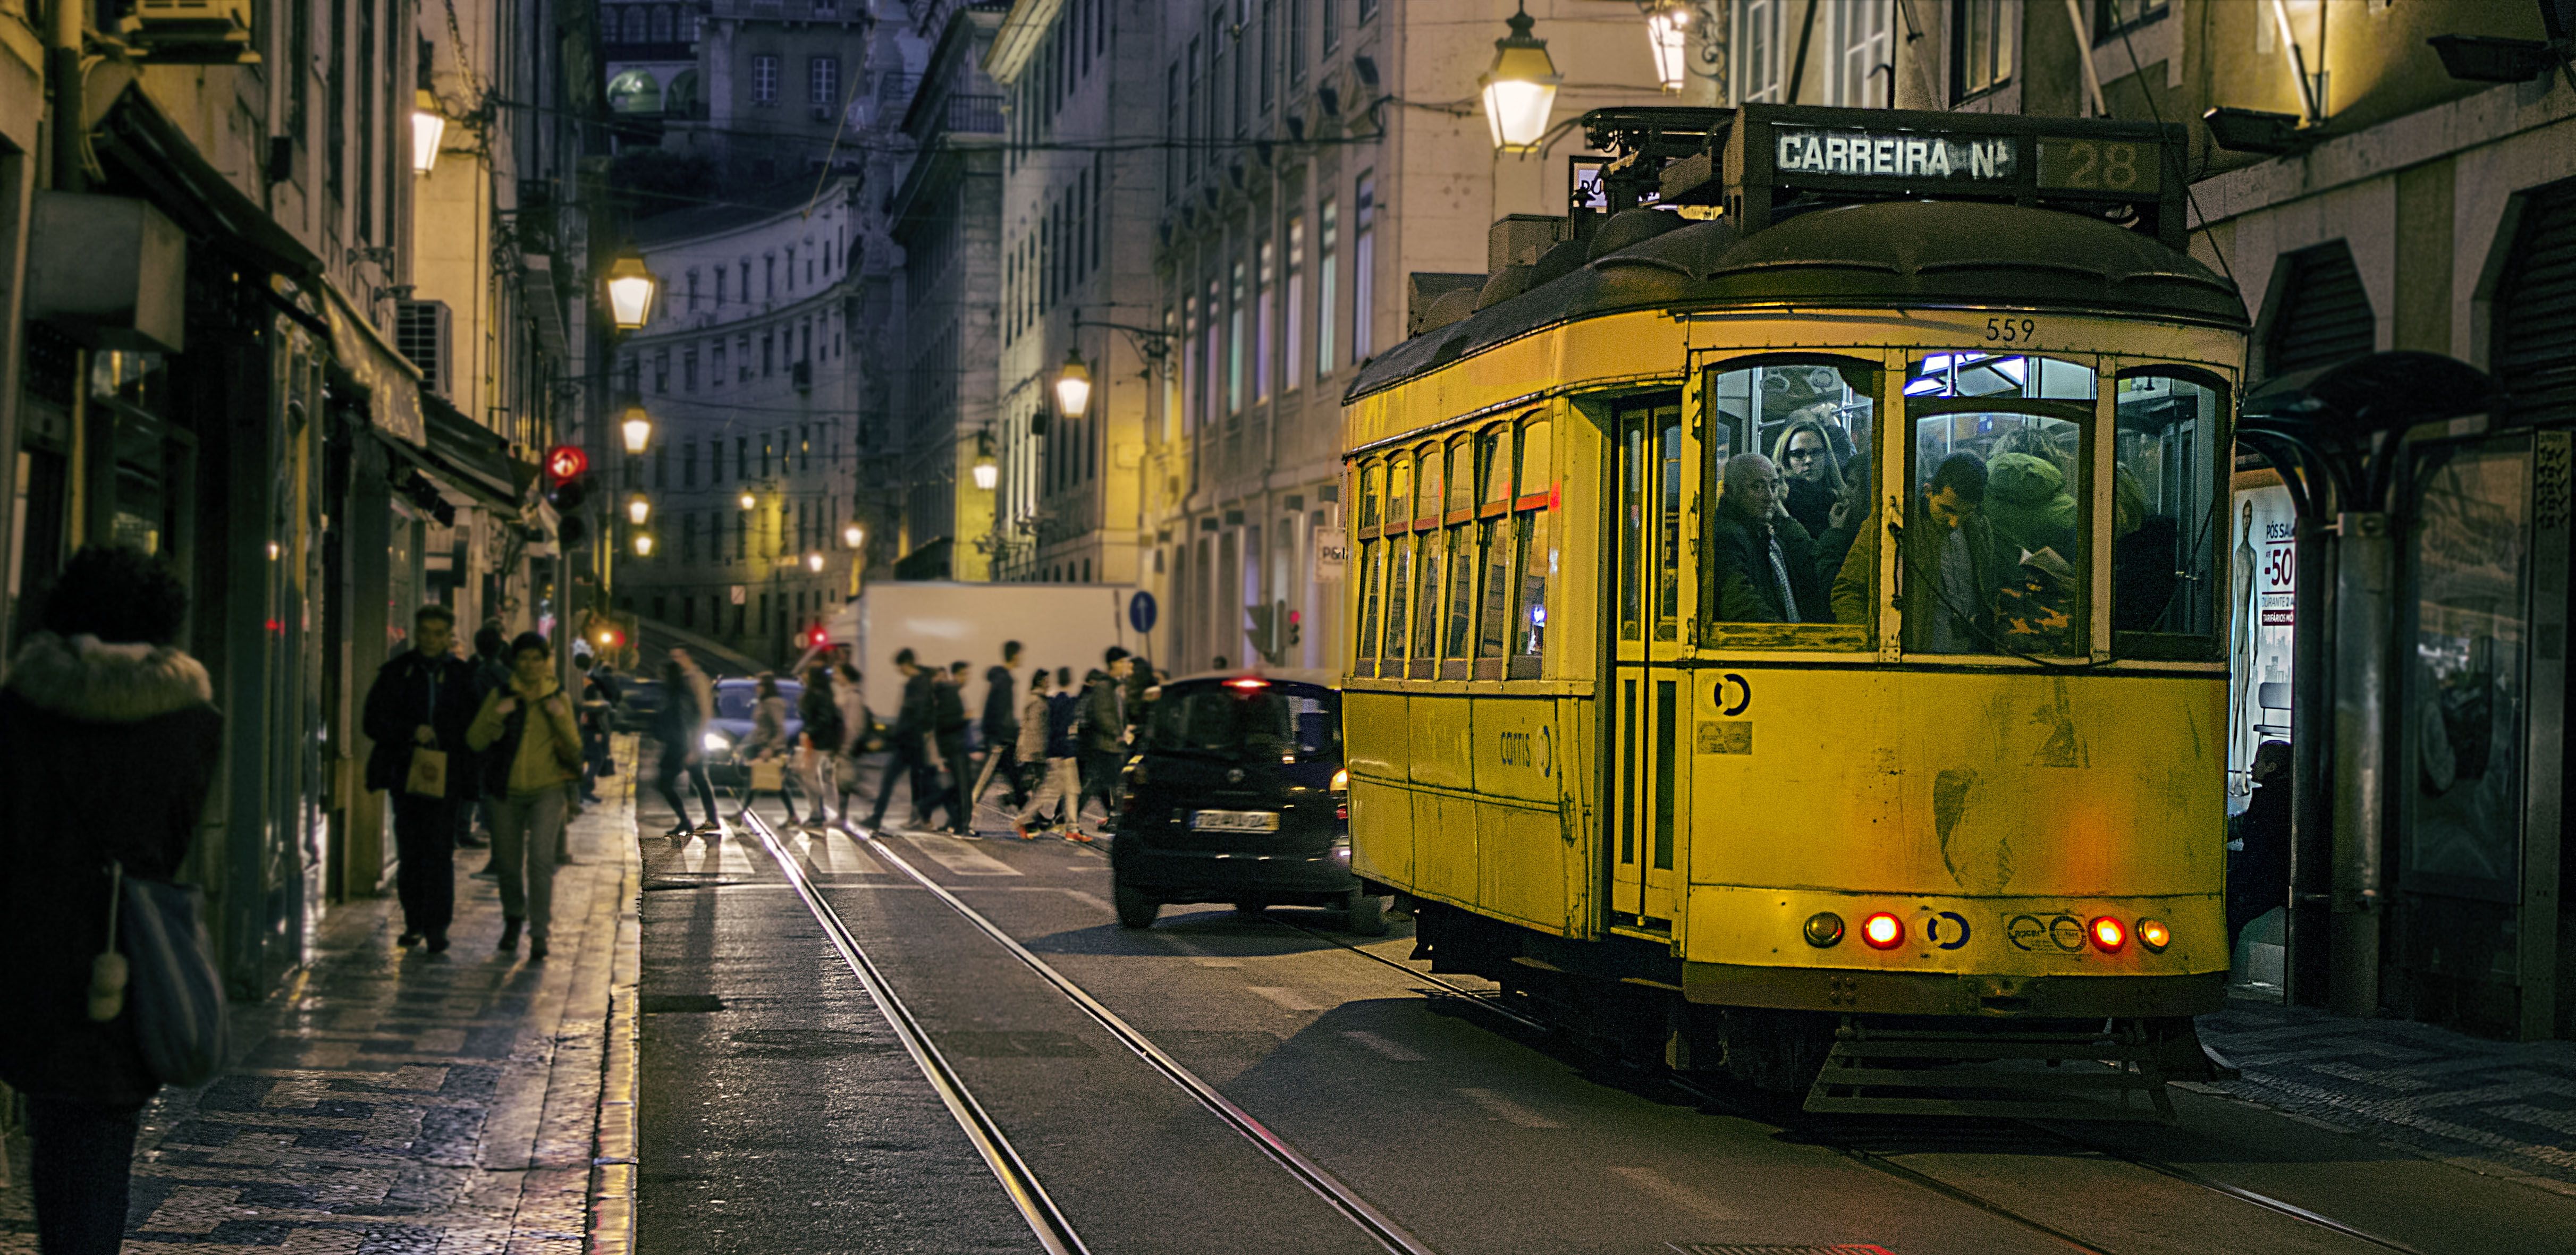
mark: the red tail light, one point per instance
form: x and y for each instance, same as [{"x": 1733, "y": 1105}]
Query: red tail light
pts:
[
  {"x": 1883, "y": 931},
  {"x": 2109, "y": 935}
]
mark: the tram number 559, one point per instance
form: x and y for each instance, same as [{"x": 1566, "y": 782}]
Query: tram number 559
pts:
[{"x": 2001, "y": 330}]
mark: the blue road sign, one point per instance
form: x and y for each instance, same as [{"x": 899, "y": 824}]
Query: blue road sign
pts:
[{"x": 1140, "y": 611}]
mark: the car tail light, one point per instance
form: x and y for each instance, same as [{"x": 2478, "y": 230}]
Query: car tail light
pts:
[
  {"x": 1248, "y": 682},
  {"x": 2153, "y": 934},
  {"x": 2109, "y": 934},
  {"x": 1883, "y": 931}
]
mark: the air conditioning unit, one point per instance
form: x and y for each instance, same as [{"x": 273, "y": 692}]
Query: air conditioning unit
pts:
[
  {"x": 422, "y": 333},
  {"x": 190, "y": 32}
]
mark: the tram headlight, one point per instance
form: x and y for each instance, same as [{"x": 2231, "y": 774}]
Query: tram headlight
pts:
[
  {"x": 2108, "y": 934},
  {"x": 1883, "y": 931},
  {"x": 1824, "y": 930},
  {"x": 2153, "y": 934}
]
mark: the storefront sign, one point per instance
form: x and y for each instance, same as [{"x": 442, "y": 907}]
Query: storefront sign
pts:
[
  {"x": 1332, "y": 554},
  {"x": 1892, "y": 154}
]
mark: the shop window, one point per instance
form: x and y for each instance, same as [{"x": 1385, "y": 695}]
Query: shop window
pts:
[
  {"x": 1790, "y": 498},
  {"x": 2168, "y": 505}
]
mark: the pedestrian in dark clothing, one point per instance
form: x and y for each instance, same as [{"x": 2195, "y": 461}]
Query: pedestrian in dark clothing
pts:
[
  {"x": 599, "y": 696},
  {"x": 908, "y": 741},
  {"x": 491, "y": 666},
  {"x": 858, "y": 727},
  {"x": 423, "y": 699},
  {"x": 676, "y": 729},
  {"x": 1141, "y": 684},
  {"x": 1104, "y": 734},
  {"x": 109, "y": 744},
  {"x": 948, "y": 733},
  {"x": 818, "y": 744},
  {"x": 2258, "y": 872},
  {"x": 1001, "y": 726}
]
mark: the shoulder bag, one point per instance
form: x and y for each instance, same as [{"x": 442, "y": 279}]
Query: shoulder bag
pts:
[{"x": 172, "y": 987}]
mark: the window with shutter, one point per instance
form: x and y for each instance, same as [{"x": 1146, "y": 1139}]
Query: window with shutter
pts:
[
  {"x": 2323, "y": 316},
  {"x": 2535, "y": 310}
]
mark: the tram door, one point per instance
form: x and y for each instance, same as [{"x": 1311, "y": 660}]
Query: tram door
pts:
[{"x": 1648, "y": 692}]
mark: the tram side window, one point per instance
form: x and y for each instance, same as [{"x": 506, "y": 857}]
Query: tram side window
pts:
[
  {"x": 1783, "y": 458},
  {"x": 1460, "y": 532},
  {"x": 1534, "y": 549},
  {"x": 1371, "y": 478},
  {"x": 2166, "y": 515},
  {"x": 1995, "y": 554},
  {"x": 1427, "y": 566},
  {"x": 1494, "y": 545}
]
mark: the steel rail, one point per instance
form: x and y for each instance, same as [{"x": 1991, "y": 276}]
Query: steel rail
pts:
[
  {"x": 1916, "y": 1176},
  {"x": 1019, "y": 1181},
  {"x": 1359, "y": 1211}
]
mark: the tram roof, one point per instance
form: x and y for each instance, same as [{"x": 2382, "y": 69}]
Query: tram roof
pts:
[{"x": 1895, "y": 253}]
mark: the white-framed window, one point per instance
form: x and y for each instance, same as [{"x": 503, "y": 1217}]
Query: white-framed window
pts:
[
  {"x": 1328, "y": 309},
  {"x": 764, "y": 80},
  {"x": 1295, "y": 349},
  {"x": 1363, "y": 269},
  {"x": 1757, "y": 51},
  {"x": 823, "y": 81},
  {"x": 1265, "y": 290},
  {"x": 1864, "y": 66},
  {"x": 1235, "y": 309}
]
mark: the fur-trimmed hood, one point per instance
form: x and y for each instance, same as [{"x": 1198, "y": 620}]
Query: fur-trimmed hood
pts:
[{"x": 84, "y": 678}]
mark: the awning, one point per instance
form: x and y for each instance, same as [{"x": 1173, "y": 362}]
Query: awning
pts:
[
  {"x": 393, "y": 383},
  {"x": 472, "y": 458},
  {"x": 135, "y": 141}
]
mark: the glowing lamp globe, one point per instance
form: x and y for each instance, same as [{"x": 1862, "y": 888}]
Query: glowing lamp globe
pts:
[{"x": 1520, "y": 89}]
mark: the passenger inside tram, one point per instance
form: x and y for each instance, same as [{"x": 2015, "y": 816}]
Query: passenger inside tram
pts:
[
  {"x": 1950, "y": 577},
  {"x": 1811, "y": 474},
  {"x": 1761, "y": 558}
]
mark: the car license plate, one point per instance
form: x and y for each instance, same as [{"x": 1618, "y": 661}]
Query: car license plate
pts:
[{"x": 1234, "y": 821}]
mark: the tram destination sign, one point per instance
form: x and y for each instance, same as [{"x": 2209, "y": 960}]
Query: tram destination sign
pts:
[{"x": 1911, "y": 155}]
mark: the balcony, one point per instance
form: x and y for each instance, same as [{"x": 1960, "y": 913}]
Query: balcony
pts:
[{"x": 954, "y": 114}]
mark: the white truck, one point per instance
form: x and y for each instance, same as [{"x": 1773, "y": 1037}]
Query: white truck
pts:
[{"x": 1057, "y": 625}]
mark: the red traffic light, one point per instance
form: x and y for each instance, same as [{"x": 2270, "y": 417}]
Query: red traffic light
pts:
[{"x": 565, "y": 462}]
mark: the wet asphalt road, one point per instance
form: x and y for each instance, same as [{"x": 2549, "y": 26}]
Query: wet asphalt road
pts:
[{"x": 779, "y": 1113}]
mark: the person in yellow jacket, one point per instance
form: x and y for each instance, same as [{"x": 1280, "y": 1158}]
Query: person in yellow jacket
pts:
[{"x": 531, "y": 750}]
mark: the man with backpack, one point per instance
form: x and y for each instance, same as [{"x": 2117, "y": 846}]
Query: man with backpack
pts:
[
  {"x": 1001, "y": 731},
  {"x": 1104, "y": 735},
  {"x": 908, "y": 743},
  {"x": 948, "y": 730}
]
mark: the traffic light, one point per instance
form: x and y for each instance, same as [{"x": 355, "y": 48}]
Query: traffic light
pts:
[
  {"x": 1274, "y": 629},
  {"x": 568, "y": 484}
]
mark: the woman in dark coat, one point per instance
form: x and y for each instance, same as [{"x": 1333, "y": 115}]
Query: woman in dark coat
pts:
[{"x": 109, "y": 741}]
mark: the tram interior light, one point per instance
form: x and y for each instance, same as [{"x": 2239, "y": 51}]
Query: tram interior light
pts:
[
  {"x": 1883, "y": 931},
  {"x": 2109, "y": 935},
  {"x": 2153, "y": 934}
]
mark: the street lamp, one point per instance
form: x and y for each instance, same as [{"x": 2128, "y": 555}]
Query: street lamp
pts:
[
  {"x": 630, "y": 291},
  {"x": 638, "y": 508},
  {"x": 428, "y": 127},
  {"x": 746, "y": 500},
  {"x": 643, "y": 543},
  {"x": 1520, "y": 89},
  {"x": 1073, "y": 386},
  {"x": 987, "y": 471},
  {"x": 854, "y": 535},
  {"x": 1665, "y": 29},
  {"x": 638, "y": 429},
  {"x": 814, "y": 562}
]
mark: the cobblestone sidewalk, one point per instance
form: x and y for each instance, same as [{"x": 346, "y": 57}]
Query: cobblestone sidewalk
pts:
[
  {"x": 393, "y": 1101},
  {"x": 2496, "y": 1108}
]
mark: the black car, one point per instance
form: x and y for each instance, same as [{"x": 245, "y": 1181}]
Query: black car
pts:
[
  {"x": 639, "y": 703},
  {"x": 1236, "y": 794}
]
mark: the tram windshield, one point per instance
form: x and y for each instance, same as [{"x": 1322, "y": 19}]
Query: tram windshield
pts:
[
  {"x": 1785, "y": 463},
  {"x": 1997, "y": 563}
]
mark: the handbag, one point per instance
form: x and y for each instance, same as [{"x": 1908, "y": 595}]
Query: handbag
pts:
[
  {"x": 428, "y": 776},
  {"x": 768, "y": 775},
  {"x": 172, "y": 987}
]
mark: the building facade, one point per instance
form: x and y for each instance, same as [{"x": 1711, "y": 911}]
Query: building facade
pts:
[{"x": 746, "y": 371}]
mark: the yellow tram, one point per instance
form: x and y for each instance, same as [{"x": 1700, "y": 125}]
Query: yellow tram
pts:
[{"x": 1786, "y": 619}]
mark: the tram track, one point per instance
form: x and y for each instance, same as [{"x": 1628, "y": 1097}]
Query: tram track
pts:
[
  {"x": 1019, "y": 1182},
  {"x": 1884, "y": 1163}
]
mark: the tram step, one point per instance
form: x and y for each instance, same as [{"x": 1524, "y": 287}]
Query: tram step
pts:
[{"x": 1915, "y": 1072}]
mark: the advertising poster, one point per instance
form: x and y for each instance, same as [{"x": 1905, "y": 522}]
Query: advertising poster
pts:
[{"x": 2263, "y": 573}]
